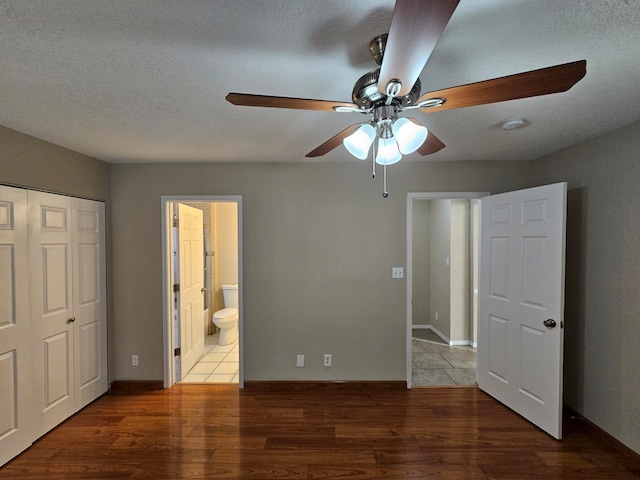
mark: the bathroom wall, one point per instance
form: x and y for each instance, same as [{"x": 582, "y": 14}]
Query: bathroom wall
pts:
[
  {"x": 225, "y": 247},
  {"x": 421, "y": 294}
]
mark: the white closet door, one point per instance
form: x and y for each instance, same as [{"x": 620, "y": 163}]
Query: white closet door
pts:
[
  {"x": 16, "y": 427},
  {"x": 50, "y": 244},
  {"x": 89, "y": 301}
]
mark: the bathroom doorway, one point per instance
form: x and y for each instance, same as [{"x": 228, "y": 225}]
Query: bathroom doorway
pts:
[
  {"x": 220, "y": 261},
  {"x": 442, "y": 276}
]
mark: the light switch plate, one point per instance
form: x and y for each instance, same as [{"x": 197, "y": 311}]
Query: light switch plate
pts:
[{"x": 397, "y": 272}]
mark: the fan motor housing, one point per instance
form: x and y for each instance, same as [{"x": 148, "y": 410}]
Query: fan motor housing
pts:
[{"x": 366, "y": 94}]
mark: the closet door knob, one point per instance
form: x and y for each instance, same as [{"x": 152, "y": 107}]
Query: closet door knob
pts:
[
  {"x": 203, "y": 290},
  {"x": 549, "y": 323},
  {"x": 71, "y": 320}
]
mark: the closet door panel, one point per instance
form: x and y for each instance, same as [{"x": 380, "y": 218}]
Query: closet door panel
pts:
[
  {"x": 89, "y": 301},
  {"x": 57, "y": 385},
  {"x": 50, "y": 244},
  {"x": 16, "y": 426}
]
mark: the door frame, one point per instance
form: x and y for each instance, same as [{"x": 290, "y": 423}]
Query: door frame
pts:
[
  {"x": 411, "y": 197},
  {"x": 168, "y": 336}
]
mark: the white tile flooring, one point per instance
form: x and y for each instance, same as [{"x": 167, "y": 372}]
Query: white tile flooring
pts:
[{"x": 219, "y": 364}]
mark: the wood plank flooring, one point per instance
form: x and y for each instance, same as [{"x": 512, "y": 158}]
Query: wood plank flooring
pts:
[{"x": 313, "y": 431}]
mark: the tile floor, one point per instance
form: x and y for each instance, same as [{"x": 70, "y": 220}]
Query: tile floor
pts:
[
  {"x": 219, "y": 364},
  {"x": 435, "y": 363}
]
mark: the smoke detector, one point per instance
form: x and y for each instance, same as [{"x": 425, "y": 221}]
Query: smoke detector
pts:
[{"x": 513, "y": 123}]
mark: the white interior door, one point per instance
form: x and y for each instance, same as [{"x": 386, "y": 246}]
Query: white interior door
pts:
[
  {"x": 89, "y": 301},
  {"x": 50, "y": 244},
  {"x": 191, "y": 306},
  {"x": 15, "y": 341},
  {"x": 521, "y": 302}
]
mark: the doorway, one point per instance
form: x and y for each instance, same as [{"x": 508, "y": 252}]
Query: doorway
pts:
[
  {"x": 442, "y": 252},
  {"x": 226, "y": 269}
]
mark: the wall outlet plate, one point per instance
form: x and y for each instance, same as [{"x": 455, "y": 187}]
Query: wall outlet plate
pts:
[
  {"x": 397, "y": 272},
  {"x": 300, "y": 361}
]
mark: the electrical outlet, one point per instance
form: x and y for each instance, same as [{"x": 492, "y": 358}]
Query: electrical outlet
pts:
[
  {"x": 436, "y": 315},
  {"x": 134, "y": 361},
  {"x": 397, "y": 272},
  {"x": 300, "y": 361},
  {"x": 327, "y": 359}
]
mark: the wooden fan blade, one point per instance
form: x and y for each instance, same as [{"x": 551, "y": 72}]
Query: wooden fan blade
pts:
[
  {"x": 415, "y": 29},
  {"x": 333, "y": 142},
  {"x": 559, "y": 78},
  {"x": 432, "y": 144},
  {"x": 249, "y": 100}
]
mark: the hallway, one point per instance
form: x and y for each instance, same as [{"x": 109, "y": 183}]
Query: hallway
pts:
[{"x": 438, "y": 364}]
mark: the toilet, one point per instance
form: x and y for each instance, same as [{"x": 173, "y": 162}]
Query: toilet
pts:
[{"x": 227, "y": 318}]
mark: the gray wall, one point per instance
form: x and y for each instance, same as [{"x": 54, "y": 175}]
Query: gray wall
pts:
[
  {"x": 459, "y": 271},
  {"x": 26, "y": 161},
  {"x": 421, "y": 256},
  {"x": 602, "y": 337},
  {"x": 440, "y": 273},
  {"x": 319, "y": 244}
]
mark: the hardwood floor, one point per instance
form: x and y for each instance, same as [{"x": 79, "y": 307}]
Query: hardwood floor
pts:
[{"x": 301, "y": 431}]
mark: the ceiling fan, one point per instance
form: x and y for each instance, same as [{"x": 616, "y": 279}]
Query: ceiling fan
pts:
[{"x": 393, "y": 88}]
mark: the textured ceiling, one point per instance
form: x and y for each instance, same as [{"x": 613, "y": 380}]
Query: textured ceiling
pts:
[{"x": 145, "y": 80}]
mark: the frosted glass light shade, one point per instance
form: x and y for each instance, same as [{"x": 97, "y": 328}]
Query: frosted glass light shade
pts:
[
  {"x": 388, "y": 153},
  {"x": 408, "y": 135},
  {"x": 359, "y": 142}
]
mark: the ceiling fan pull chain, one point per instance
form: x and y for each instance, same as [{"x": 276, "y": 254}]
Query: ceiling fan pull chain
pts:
[
  {"x": 374, "y": 154},
  {"x": 385, "y": 194}
]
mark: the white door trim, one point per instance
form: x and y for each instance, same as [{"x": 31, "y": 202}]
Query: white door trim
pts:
[
  {"x": 411, "y": 196},
  {"x": 167, "y": 279}
]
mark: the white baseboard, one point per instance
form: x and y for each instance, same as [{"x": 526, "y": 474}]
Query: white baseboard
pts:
[
  {"x": 440, "y": 334},
  {"x": 455, "y": 343}
]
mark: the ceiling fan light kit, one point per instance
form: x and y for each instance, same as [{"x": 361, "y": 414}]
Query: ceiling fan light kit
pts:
[
  {"x": 388, "y": 152},
  {"x": 359, "y": 142},
  {"x": 396, "y": 137},
  {"x": 409, "y": 135},
  {"x": 415, "y": 28}
]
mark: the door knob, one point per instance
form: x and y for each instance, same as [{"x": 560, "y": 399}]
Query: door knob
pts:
[
  {"x": 71, "y": 320},
  {"x": 203, "y": 290},
  {"x": 549, "y": 323}
]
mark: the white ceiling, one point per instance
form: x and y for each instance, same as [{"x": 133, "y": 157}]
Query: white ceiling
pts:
[{"x": 145, "y": 80}]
